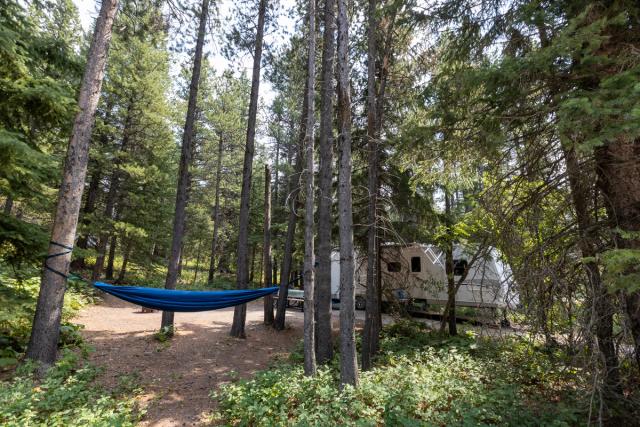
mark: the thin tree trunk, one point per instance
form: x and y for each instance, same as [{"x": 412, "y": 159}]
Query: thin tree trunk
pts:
[
  {"x": 185, "y": 162},
  {"x": 266, "y": 247},
  {"x": 253, "y": 263},
  {"x": 89, "y": 208},
  {"x": 324, "y": 347},
  {"x": 180, "y": 260},
  {"x": 195, "y": 274},
  {"x": 125, "y": 261},
  {"x": 276, "y": 168},
  {"x": 112, "y": 196},
  {"x": 450, "y": 313},
  {"x": 294, "y": 187},
  {"x": 348, "y": 360},
  {"x": 601, "y": 299},
  {"x": 108, "y": 274},
  {"x": 309, "y": 222},
  {"x": 240, "y": 312},
  {"x": 274, "y": 278},
  {"x": 370, "y": 337},
  {"x": 216, "y": 213},
  {"x": 109, "y": 210},
  {"x": 46, "y": 323}
]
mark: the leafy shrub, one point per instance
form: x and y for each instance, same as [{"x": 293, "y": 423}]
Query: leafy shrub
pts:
[
  {"x": 164, "y": 334},
  {"x": 17, "y": 307},
  {"x": 67, "y": 396},
  {"x": 420, "y": 378}
]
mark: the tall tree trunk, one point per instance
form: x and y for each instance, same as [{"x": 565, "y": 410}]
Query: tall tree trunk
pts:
[
  {"x": 601, "y": 299},
  {"x": 348, "y": 360},
  {"x": 274, "y": 277},
  {"x": 309, "y": 220},
  {"x": 276, "y": 167},
  {"x": 216, "y": 212},
  {"x": 89, "y": 208},
  {"x": 195, "y": 274},
  {"x": 324, "y": 344},
  {"x": 125, "y": 260},
  {"x": 46, "y": 323},
  {"x": 185, "y": 162},
  {"x": 253, "y": 263},
  {"x": 266, "y": 247},
  {"x": 370, "y": 337},
  {"x": 109, "y": 210},
  {"x": 240, "y": 312},
  {"x": 618, "y": 165},
  {"x": 112, "y": 196},
  {"x": 293, "y": 184},
  {"x": 180, "y": 260},
  {"x": 108, "y": 273},
  {"x": 449, "y": 315}
]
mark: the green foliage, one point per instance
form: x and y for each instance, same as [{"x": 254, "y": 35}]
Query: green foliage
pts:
[
  {"x": 622, "y": 268},
  {"x": 67, "y": 396},
  {"x": 21, "y": 243},
  {"x": 164, "y": 334},
  {"x": 420, "y": 378},
  {"x": 17, "y": 307}
]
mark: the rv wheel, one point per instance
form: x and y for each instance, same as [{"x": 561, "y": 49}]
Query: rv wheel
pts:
[{"x": 360, "y": 303}]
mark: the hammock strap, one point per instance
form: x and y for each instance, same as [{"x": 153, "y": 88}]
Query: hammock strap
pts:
[{"x": 67, "y": 250}]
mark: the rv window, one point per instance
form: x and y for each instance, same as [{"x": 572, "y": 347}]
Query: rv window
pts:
[
  {"x": 459, "y": 266},
  {"x": 415, "y": 264},
  {"x": 393, "y": 267}
]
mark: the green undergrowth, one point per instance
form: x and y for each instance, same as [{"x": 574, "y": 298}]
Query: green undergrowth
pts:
[
  {"x": 17, "y": 307},
  {"x": 66, "y": 396},
  {"x": 420, "y": 378}
]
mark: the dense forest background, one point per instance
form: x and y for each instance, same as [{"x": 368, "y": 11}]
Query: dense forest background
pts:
[{"x": 510, "y": 125}]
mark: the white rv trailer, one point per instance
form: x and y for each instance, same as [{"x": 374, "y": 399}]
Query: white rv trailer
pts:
[{"x": 416, "y": 272}]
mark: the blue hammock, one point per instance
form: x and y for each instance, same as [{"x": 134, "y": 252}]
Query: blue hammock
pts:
[{"x": 178, "y": 300}]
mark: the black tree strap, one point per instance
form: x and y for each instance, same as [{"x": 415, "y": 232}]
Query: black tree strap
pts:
[{"x": 65, "y": 252}]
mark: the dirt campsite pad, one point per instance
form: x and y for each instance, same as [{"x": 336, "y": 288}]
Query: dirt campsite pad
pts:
[{"x": 178, "y": 375}]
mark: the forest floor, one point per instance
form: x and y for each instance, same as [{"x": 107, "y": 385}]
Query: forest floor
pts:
[{"x": 177, "y": 376}]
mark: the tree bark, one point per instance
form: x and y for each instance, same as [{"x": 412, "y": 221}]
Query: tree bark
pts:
[
  {"x": 240, "y": 312},
  {"x": 216, "y": 213},
  {"x": 253, "y": 263},
  {"x": 125, "y": 261},
  {"x": 276, "y": 168},
  {"x": 185, "y": 162},
  {"x": 46, "y": 323},
  {"x": 294, "y": 187},
  {"x": 108, "y": 273},
  {"x": 601, "y": 300},
  {"x": 309, "y": 220},
  {"x": 348, "y": 360},
  {"x": 370, "y": 337},
  {"x": 89, "y": 208},
  {"x": 324, "y": 344},
  {"x": 618, "y": 165},
  {"x": 266, "y": 247},
  {"x": 449, "y": 315},
  {"x": 195, "y": 273}
]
